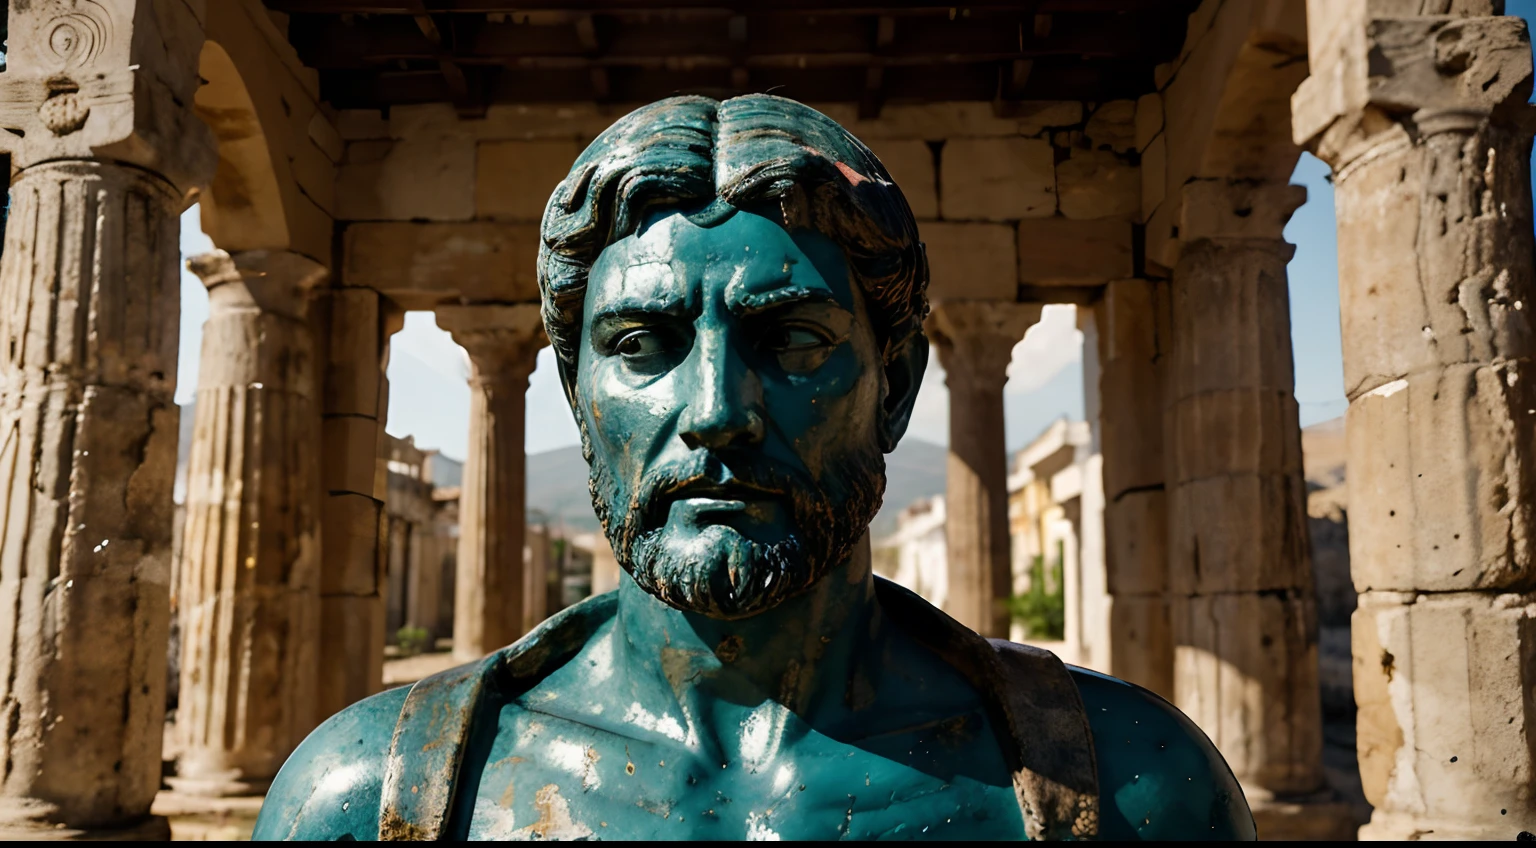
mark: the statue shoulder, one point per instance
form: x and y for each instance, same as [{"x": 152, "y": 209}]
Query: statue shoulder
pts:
[
  {"x": 1159, "y": 775},
  {"x": 330, "y": 787}
]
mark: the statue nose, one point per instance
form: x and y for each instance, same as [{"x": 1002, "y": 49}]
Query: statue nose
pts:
[{"x": 725, "y": 400}]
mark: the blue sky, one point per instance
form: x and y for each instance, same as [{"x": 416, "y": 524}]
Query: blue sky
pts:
[{"x": 429, "y": 397}]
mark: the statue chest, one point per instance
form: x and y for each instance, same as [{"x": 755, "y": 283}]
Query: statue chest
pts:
[{"x": 550, "y": 778}]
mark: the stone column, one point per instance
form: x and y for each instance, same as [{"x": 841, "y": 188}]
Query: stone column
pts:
[
  {"x": 975, "y": 342},
  {"x": 491, "y": 604},
  {"x": 352, "y": 574},
  {"x": 1132, "y": 321},
  {"x": 1424, "y": 121},
  {"x": 1243, "y": 615},
  {"x": 89, "y": 310},
  {"x": 249, "y": 590},
  {"x": 537, "y": 590}
]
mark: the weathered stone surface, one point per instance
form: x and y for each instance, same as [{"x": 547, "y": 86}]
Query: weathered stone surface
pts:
[
  {"x": 1442, "y": 485},
  {"x": 1149, "y": 119},
  {"x": 975, "y": 342},
  {"x": 1234, "y": 431},
  {"x": 1060, "y": 251},
  {"x": 1228, "y": 209},
  {"x": 911, "y": 166},
  {"x": 1245, "y": 670},
  {"x": 1113, "y": 126},
  {"x": 491, "y": 600},
  {"x": 938, "y": 121},
  {"x": 1132, "y": 322},
  {"x": 431, "y": 178},
  {"x": 1141, "y": 641},
  {"x": 352, "y": 363},
  {"x": 971, "y": 261},
  {"x": 351, "y": 456},
  {"x": 1035, "y": 116},
  {"x": 351, "y": 524},
  {"x": 90, "y": 288},
  {"x": 351, "y": 649},
  {"x": 1136, "y": 540},
  {"x": 1231, "y": 318},
  {"x": 997, "y": 179},
  {"x": 249, "y": 577},
  {"x": 514, "y": 179},
  {"x": 1154, "y": 176},
  {"x": 1238, "y": 533},
  {"x": 421, "y": 265},
  {"x": 1098, "y": 184},
  {"x": 1445, "y": 721},
  {"x": 1434, "y": 264}
]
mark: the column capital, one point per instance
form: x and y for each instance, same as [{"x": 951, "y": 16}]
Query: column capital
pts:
[
  {"x": 1372, "y": 75},
  {"x": 110, "y": 79},
  {"x": 975, "y": 338},
  {"x": 501, "y": 339},
  {"x": 278, "y": 281},
  {"x": 1238, "y": 209}
]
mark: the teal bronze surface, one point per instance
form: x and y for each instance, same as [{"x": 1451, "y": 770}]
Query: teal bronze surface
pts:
[{"x": 735, "y": 293}]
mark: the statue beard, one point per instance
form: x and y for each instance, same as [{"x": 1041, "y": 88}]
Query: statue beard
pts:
[{"x": 720, "y": 573}]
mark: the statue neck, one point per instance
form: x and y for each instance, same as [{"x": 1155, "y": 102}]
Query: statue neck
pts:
[{"x": 804, "y": 654}]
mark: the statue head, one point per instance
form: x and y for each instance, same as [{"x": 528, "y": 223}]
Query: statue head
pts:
[{"x": 735, "y": 294}]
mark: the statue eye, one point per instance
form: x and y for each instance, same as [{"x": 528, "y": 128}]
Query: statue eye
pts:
[
  {"x": 637, "y": 343},
  {"x": 792, "y": 339}
]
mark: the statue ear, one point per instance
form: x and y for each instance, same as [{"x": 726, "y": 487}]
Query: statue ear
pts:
[{"x": 903, "y": 377}]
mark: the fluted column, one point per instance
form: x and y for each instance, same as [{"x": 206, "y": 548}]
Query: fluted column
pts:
[
  {"x": 975, "y": 341},
  {"x": 1244, "y": 620},
  {"x": 248, "y": 595},
  {"x": 490, "y": 596},
  {"x": 89, "y": 312},
  {"x": 1425, "y": 123}
]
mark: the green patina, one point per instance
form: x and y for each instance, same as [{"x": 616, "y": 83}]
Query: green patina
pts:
[{"x": 735, "y": 291}]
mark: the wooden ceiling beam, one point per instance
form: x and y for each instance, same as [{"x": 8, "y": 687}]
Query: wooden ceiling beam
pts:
[{"x": 722, "y": 7}]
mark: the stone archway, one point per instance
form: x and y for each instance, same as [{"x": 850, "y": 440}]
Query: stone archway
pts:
[{"x": 242, "y": 209}]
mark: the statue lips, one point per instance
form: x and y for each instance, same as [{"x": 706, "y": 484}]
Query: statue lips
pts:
[{"x": 700, "y": 496}]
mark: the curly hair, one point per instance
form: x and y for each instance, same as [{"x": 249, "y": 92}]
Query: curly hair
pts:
[{"x": 741, "y": 152}]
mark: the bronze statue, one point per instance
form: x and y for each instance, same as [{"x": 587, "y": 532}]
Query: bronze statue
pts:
[{"x": 735, "y": 291}]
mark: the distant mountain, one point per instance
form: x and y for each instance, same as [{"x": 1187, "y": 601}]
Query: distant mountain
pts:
[{"x": 557, "y": 484}]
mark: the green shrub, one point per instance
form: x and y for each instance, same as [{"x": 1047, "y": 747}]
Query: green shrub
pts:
[
  {"x": 1043, "y": 609},
  {"x": 413, "y": 640}
]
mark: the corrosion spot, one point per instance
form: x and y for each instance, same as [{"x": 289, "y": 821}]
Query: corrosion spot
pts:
[{"x": 1388, "y": 664}]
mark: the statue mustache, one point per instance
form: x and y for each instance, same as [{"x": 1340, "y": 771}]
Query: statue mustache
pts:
[{"x": 710, "y": 475}]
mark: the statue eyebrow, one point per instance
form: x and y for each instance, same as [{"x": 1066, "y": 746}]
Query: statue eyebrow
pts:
[{"x": 754, "y": 302}]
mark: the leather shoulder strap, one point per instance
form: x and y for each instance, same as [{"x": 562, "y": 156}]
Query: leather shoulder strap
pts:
[
  {"x": 426, "y": 751},
  {"x": 1034, "y": 703},
  {"x": 1057, "y": 777},
  {"x": 422, "y": 771}
]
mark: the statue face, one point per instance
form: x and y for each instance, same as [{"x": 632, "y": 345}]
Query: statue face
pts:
[{"x": 730, "y": 385}]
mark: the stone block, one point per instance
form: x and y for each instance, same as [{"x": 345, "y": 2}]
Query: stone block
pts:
[
  {"x": 971, "y": 261},
  {"x": 1234, "y": 431},
  {"x": 360, "y": 124},
  {"x": 1098, "y": 184},
  {"x": 1035, "y": 116},
  {"x": 928, "y": 121},
  {"x": 354, "y": 359},
  {"x": 350, "y": 536},
  {"x": 352, "y": 636},
  {"x": 910, "y": 164},
  {"x": 350, "y": 453},
  {"x": 1245, "y": 671},
  {"x": 1441, "y": 488},
  {"x": 1141, "y": 642},
  {"x": 430, "y": 178},
  {"x": 1060, "y": 251},
  {"x": 1445, "y": 718},
  {"x": 1154, "y": 176},
  {"x": 1136, "y": 543},
  {"x": 1411, "y": 300},
  {"x": 1240, "y": 533},
  {"x": 1231, "y": 319},
  {"x": 1149, "y": 119},
  {"x": 514, "y": 179},
  {"x": 1113, "y": 126},
  {"x": 419, "y": 265},
  {"x": 997, "y": 179}
]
